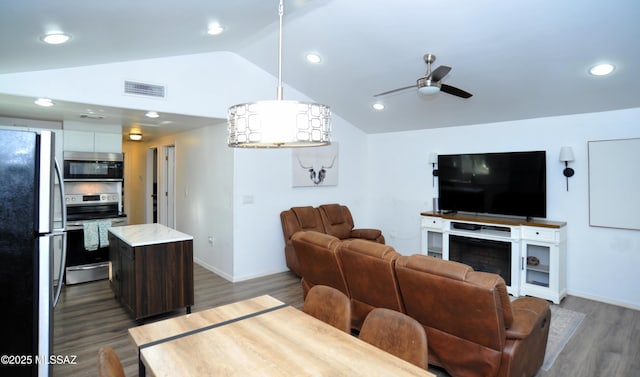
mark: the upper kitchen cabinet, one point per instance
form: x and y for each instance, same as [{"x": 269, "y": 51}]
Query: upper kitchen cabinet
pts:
[
  {"x": 82, "y": 141},
  {"x": 83, "y": 137}
]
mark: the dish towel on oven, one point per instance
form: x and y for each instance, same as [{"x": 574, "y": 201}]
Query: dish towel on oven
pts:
[
  {"x": 96, "y": 234},
  {"x": 91, "y": 236},
  {"x": 103, "y": 227}
]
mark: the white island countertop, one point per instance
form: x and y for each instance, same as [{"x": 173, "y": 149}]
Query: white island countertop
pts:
[{"x": 148, "y": 234}]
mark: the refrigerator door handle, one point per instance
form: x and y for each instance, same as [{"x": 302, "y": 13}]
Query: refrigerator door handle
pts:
[
  {"x": 63, "y": 260},
  {"x": 63, "y": 207},
  {"x": 62, "y": 230}
]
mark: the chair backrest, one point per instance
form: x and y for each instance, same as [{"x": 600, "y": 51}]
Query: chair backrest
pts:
[
  {"x": 294, "y": 220},
  {"x": 319, "y": 264},
  {"x": 300, "y": 218},
  {"x": 398, "y": 334},
  {"x": 337, "y": 220},
  {"x": 369, "y": 270},
  {"x": 460, "y": 309},
  {"x": 109, "y": 363},
  {"x": 329, "y": 305}
]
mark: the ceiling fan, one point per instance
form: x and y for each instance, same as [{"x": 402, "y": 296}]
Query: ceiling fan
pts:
[{"x": 430, "y": 83}]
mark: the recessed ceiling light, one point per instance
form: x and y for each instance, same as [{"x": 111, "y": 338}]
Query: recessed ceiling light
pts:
[
  {"x": 44, "y": 102},
  {"x": 152, "y": 114},
  {"x": 55, "y": 38},
  {"x": 215, "y": 29},
  {"x": 601, "y": 69},
  {"x": 378, "y": 106},
  {"x": 313, "y": 58}
]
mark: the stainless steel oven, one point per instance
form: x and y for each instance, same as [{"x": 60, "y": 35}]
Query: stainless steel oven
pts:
[
  {"x": 88, "y": 216},
  {"x": 93, "y": 166}
]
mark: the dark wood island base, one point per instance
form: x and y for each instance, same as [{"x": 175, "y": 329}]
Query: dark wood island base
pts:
[{"x": 151, "y": 269}]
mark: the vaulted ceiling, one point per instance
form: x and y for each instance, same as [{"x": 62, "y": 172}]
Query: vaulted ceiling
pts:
[{"x": 519, "y": 59}]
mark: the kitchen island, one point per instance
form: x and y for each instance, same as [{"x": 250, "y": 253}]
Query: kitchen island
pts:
[{"x": 151, "y": 269}]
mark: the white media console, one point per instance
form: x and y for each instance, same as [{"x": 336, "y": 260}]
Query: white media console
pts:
[{"x": 529, "y": 255}]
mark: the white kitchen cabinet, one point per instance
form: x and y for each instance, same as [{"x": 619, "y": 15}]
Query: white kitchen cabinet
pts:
[
  {"x": 86, "y": 141},
  {"x": 543, "y": 261}
]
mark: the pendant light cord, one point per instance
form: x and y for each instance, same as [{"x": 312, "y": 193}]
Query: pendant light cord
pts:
[{"x": 280, "y": 13}]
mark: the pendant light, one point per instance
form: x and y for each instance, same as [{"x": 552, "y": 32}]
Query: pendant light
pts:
[{"x": 279, "y": 123}]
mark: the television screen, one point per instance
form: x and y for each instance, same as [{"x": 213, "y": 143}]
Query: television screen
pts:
[{"x": 512, "y": 183}]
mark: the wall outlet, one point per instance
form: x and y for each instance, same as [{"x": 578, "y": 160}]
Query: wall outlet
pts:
[{"x": 211, "y": 240}]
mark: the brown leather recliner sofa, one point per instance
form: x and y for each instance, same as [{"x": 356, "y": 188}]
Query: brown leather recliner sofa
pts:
[
  {"x": 473, "y": 329},
  {"x": 333, "y": 219}
]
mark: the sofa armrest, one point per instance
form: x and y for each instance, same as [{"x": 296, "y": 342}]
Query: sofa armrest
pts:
[
  {"x": 528, "y": 314},
  {"x": 368, "y": 234}
]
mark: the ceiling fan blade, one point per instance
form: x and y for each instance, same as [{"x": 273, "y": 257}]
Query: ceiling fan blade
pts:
[
  {"x": 439, "y": 73},
  {"x": 455, "y": 91},
  {"x": 395, "y": 90}
]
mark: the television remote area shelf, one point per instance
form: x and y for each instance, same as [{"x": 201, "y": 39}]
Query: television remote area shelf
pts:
[{"x": 535, "y": 249}]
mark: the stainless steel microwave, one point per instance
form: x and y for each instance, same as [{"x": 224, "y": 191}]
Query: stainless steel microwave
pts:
[{"x": 93, "y": 166}]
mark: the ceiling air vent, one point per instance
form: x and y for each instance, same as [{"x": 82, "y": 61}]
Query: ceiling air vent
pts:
[
  {"x": 91, "y": 116},
  {"x": 142, "y": 89}
]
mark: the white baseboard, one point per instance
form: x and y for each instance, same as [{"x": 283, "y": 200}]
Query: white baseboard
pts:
[
  {"x": 233, "y": 279},
  {"x": 605, "y": 300},
  {"x": 216, "y": 271}
]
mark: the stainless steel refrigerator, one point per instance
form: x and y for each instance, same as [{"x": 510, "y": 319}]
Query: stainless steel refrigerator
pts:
[{"x": 27, "y": 234}]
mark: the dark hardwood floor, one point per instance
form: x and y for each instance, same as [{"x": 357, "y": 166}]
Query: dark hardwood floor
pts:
[{"x": 88, "y": 317}]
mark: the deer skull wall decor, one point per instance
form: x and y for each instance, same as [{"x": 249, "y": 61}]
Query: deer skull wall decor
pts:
[
  {"x": 317, "y": 175},
  {"x": 315, "y": 166}
]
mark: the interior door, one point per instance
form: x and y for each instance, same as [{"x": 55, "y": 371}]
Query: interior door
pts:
[{"x": 167, "y": 187}]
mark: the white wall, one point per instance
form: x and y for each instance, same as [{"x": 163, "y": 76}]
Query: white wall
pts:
[
  {"x": 199, "y": 84},
  {"x": 265, "y": 177},
  {"x": 203, "y": 192},
  {"x": 601, "y": 263}
]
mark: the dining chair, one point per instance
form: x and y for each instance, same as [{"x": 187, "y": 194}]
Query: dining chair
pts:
[
  {"x": 109, "y": 363},
  {"x": 329, "y": 305},
  {"x": 397, "y": 334}
]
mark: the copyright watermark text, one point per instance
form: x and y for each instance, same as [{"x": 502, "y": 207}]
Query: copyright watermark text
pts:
[{"x": 36, "y": 359}]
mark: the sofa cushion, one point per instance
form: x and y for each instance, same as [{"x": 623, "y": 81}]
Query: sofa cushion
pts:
[
  {"x": 369, "y": 270},
  {"x": 337, "y": 220},
  {"x": 308, "y": 218}
]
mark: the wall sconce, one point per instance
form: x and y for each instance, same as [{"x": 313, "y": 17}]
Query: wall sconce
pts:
[
  {"x": 566, "y": 155},
  {"x": 433, "y": 160},
  {"x": 135, "y": 136}
]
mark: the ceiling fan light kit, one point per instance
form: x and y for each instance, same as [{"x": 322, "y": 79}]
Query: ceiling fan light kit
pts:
[
  {"x": 427, "y": 87},
  {"x": 279, "y": 123}
]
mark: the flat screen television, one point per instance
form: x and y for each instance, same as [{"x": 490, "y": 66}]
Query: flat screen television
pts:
[{"x": 511, "y": 183}]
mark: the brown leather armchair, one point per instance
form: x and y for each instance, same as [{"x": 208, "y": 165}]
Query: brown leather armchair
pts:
[
  {"x": 472, "y": 327},
  {"x": 294, "y": 220},
  {"x": 318, "y": 261},
  {"x": 332, "y": 219},
  {"x": 369, "y": 270},
  {"x": 338, "y": 222}
]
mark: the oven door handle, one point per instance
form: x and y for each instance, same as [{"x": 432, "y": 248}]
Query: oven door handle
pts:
[{"x": 88, "y": 267}]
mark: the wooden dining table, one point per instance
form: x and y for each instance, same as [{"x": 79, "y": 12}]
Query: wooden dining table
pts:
[{"x": 259, "y": 337}]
